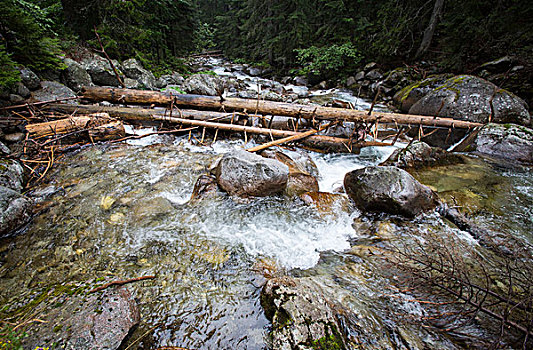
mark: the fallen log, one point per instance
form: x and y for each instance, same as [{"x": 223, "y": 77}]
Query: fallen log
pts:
[
  {"x": 301, "y": 135},
  {"x": 326, "y": 143},
  {"x": 127, "y": 96}
]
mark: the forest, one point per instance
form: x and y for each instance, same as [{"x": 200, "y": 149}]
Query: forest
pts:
[{"x": 330, "y": 38}]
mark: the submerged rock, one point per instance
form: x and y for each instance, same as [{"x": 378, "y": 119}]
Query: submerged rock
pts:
[
  {"x": 389, "y": 189},
  {"x": 420, "y": 154},
  {"x": 245, "y": 174},
  {"x": 327, "y": 203},
  {"x": 99, "y": 321},
  {"x": 302, "y": 317},
  {"x": 507, "y": 141},
  {"x": 15, "y": 210}
]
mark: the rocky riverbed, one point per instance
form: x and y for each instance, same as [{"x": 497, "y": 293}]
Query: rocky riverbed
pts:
[{"x": 251, "y": 252}]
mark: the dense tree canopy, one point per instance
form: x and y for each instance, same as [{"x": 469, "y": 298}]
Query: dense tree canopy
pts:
[{"x": 315, "y": 35}]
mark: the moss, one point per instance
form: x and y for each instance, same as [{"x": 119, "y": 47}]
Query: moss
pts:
[
  {"x": 406, "y": 91},
  {"x": 330, "y": 342},
  {"x": 58, "y": 328}
]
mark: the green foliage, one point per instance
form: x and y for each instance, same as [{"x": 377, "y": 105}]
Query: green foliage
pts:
[
  {"x": 9, "y": 75},
  {"x": 28, "y": 35},
  {"x": 328, "y": 60},
  {"x": 11, "y": 339},
  {"x": 205, "y": 37}
]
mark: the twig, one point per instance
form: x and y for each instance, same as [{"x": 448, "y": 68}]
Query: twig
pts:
[
  {"x": 39, "y": 103},
  {"x": 109, "y": 59},
  {"x": 120, "y": 283}
]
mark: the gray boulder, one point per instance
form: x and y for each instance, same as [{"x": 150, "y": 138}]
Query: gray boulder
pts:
[
  {"x": 15, "y": 210},
  {"x": 507, "y": 141},
  {"x": 75, "y": 76},
  {"x": 470, "y": 98},
  {"x": 373, "y": 75},
  {"x": 101, "y": 71},
  {"x": 134, "y": 70},
  {"x": 4, "y": 150},
  {"x": 301, "y": 316},
  {"x": 169, "y": 79},
  {"x": 11, "y": 174},
  {"x": 246, "y": 174},
  {"x": 301, "y": 81},
  {"x": 131, "y": 83},
  {"x": 203, "y": 84},
  {"x": 30, "y": 79},
  {"x": 420, "y": 154},
  {"x": 21, "y": 90},
  {"x": 389, "y": 189},
  {"x": 409, "y": 95},
  {"x": 52, "y": 90}
]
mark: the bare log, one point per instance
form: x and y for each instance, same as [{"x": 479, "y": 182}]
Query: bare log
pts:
[
  {"x": 283, "y": 140},
  {"x": 322, "y": 142},
  {"x": 58, "y": 126},
  {"x": 127, "y": 96}
]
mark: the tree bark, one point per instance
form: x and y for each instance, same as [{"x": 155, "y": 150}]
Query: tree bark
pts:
[
  {"x": 127, "y": 96},
  {"x": 430, "y": 30},
  {"x": 321, "y": 142}
]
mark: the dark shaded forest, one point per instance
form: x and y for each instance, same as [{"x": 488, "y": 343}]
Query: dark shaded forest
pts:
[{"x": 327, "y": 37}]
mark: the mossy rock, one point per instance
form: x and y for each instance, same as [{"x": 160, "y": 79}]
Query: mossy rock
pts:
[{"x": 411, "y": 94}]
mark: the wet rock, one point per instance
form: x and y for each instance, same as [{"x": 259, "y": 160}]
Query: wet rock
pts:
[
  {"x": 52, "y": 90},
  {"x": 360, "y": 76},
  {"x": 134, "y": 70},
  {"x": 151, "y": 209},
  {"x": 254, "y": 72},
  {"x": 11, "y": 174},
  {"x": 30, "y": 79},
  {"x": 300, "y": 181},
  {"x": 301, "y": 316},
  {"x": 206, "y": 186},
  {"x": 411, "y": 94},
  {"x": 389, "y": 189},
  {"x": 101, "y": 71},
  {"x": 15, "y": 210},
  {"x": 470, "y": 98},
  {"x": 420, "y": 154},
  {"x": 507, "y": 141},
  {"x": 203, "y": 84},
  {"x": 245, "y": 174},
  {"x": 75, "y": 76},
  {"x": 97, "y": 321},
  {"x": 327, "y": 203}
]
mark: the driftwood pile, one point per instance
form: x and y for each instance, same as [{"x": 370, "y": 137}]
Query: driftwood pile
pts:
[{"x": 51, "y": 126}]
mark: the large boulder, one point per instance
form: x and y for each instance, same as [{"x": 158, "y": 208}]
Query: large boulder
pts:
[
  {"x": 101, "y": 71},
  {"x": 52, "y": 90},
  {"x": 470, "y": 98},
  {"x": 134, "y": 70},
  {"x": 169, "y": 79},
  {"x": 420, "y": 154},
  {"x": 389, "y": 189},
  {"x": 246, "y": 174},
  {"x": 507, "y": 141},
  {"x": 203, "y": 84},
  {"x": 11, "y": 174},
  {"x": 15, "y": 210},
  {"x": 30, "y": 79},
  {"x": 75, "y": 76},
  {"x": 302, "y": 317},
  {"x": 409, "y": 95}
]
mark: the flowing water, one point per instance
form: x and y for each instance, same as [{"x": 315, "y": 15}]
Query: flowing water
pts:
[{"x": 114, "y": 212}]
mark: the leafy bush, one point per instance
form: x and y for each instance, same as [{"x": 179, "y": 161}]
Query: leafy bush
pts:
[
  {"x": 9, "y": 75},
  {"x": 328, "y": 60}
]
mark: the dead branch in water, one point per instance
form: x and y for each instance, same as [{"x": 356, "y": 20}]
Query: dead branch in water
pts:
[{"x": 121, "y": 283}]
